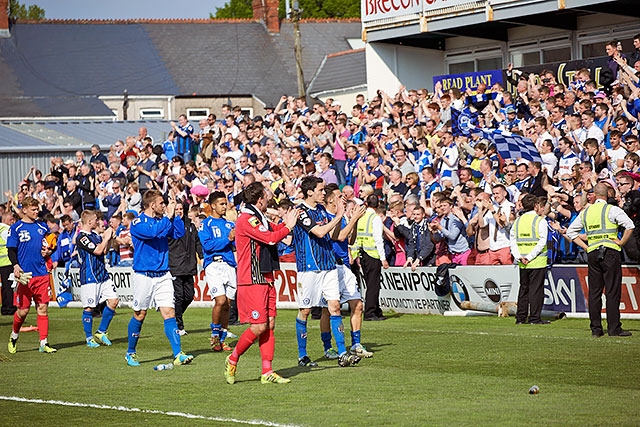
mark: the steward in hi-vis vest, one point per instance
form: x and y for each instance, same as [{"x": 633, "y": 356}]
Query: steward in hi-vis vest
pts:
[
  {"x": 369, "y": 245},
  {"x": 529, "y": 247},
  {"x": 601, "y": 222}
]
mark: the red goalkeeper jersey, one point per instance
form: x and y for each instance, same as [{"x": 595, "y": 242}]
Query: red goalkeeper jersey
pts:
[{"x": 249, "y": 231}]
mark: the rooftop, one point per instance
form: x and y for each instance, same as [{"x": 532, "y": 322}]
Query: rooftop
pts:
[{"x": 54, "y": 68}]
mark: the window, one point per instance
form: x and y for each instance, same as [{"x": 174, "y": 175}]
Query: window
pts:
[
  {"x": 247, "y": 112},
  {"x": 593, "y": 50},
  {"x": 540, "y": 51},
  {"x": 151, "y": 114},
  {"x": 524, "y": 59},
  {"x": 489, "y": 64},
  {"x": 556, "y": 55},
  {"x": 592, "y": 43},
  {"x": 462, "y": 67},
  {"x": 469, "y": 61},
  {"x": 197, "y": 113}
]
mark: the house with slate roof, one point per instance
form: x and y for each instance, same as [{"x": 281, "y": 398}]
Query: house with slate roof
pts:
[
  {"x": 62, "y": 82},
  {"x": 341, "y": 76},
  {"x": 80, "y": 69}
]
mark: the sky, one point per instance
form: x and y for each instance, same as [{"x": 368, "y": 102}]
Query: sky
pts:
[{"x": 126, "y": 9}]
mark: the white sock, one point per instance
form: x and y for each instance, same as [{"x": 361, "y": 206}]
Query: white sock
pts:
[{"x": 14, "y": 336}]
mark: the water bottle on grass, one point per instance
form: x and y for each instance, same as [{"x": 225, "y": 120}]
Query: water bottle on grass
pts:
[{"x": 163, "y": 367}]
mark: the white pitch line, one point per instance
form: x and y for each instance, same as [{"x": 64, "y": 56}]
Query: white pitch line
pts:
[{"x": 145, "y": 411}]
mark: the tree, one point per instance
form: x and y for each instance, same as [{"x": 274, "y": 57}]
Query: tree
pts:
[
  {"x": 310, "y": 9},
  {"x": 20, "y": 11},
  {"x": 234, "y": 9},
  {"x": 320, "y": 9}
]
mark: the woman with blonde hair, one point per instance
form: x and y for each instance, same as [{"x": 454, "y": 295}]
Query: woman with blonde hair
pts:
[
  {"x": 365, "y": 191},
  {"x": 133, "y": 198},
  {"x": 413, "y": 182}
]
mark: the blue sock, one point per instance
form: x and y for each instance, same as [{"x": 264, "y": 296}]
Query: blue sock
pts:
[
  {"x": 107, "y": 315},
  {"x": 338, "y": 333},
  {"x": 171, "y": 331},
  {"x": 301, "y": 334},
  {"x": 355, "y": 338},
  {"x": 216, "y": 329},
  {"x": 326, "y": 340},
  {"x": 223, "y": 335},
  {"x": 87, "y": 324},
  {"x": 135, "y": 326}
]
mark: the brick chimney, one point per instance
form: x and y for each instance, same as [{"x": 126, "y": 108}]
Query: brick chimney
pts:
[
  {"x": 4, "y": 18},
  {"x": 267, "y": 12}
]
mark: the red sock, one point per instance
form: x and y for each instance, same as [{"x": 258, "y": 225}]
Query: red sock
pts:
[
  {"x": 244, "y": 342},
  {"x": 43, "y": 327},
  {"x": 17, "y": 322},
  {"x": 267, "y": 349}
]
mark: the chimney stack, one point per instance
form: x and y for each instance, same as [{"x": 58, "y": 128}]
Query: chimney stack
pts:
[
  {"x": 267, "y": 12},
  {"x": 4, "y": 18}
]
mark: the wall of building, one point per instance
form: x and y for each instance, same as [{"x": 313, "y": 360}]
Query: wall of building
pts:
[
  {"x": 347, "y": 98},
  {"x": 525, "y": 45},
  {"x": 389, "y": 66},
  {"x": 532, "y": 32},
  {"x": 135, "y": 105},
  {"x": 14, "y": 166},
  {"x": 605, "y": 20},
  {"x": 215, "y": 104},
  {"x": 173, "y": 107}
]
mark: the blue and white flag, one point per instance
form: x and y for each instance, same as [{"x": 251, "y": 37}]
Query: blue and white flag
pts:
[
  {"x": 511, "y": 146},
  {"x": 463, "y": 122}
]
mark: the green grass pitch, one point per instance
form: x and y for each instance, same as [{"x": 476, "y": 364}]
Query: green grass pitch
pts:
[{"x": 426, "y": 371}]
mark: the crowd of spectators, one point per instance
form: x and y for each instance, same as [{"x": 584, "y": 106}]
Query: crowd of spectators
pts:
[{"x": 447, "y": 197}]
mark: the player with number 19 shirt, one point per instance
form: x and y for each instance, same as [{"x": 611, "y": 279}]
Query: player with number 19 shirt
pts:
[{"x": 217, "y": 236}]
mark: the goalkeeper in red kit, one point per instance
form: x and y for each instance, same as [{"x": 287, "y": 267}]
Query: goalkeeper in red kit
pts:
[{"x": 256, "y": 240}]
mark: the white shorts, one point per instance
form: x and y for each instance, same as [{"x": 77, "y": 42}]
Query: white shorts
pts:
[
  {"x": 93, "y": 294},
  {"x": 221, "y": 279},
  {"x": 152, "y": 292},
  {"x": 348, "y": 286},
  {"x": 313, "y": 286}
]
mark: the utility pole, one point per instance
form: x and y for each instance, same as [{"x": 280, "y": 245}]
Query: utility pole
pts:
[
  {"x": 125, "y": 106},
  {"x": 297, "y": 48}
]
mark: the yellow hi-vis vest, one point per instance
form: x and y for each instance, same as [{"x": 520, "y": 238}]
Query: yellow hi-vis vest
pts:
[
  {"x": 364, "y": 237},
  {"x": 600, "y": 230},
  {"x": 527, "y": 237},
  {"x": 4, "y": 253}
]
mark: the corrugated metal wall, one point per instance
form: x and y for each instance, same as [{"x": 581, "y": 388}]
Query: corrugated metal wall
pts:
[{"x": 14, "y": 166}]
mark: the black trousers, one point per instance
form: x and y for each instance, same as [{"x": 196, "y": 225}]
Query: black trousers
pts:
[
  {"x": 632, "y": 248},
  {"x": 372, "y": 271},
  {"x": 531, "y": 294},
  {"x": 605, "y": 274},
  {"x": 233, "y": 312},
  {"x": 7, "y": 292},
  {"x": 183, "y": 293}
]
